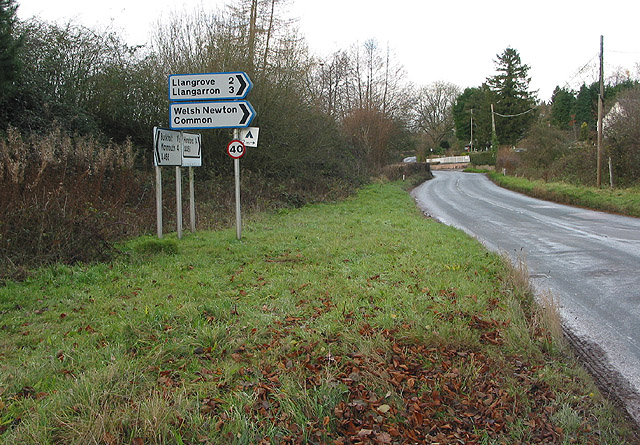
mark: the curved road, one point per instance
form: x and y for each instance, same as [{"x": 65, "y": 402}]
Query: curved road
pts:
[{"x": 589, "y": 261}]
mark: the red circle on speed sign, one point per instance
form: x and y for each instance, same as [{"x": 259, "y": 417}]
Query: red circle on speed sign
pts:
[{"x": 236, "y": 149}]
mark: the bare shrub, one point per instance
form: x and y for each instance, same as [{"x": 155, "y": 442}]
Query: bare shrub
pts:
[
  {"x": 622, "y": 129},
  {"x": 259, "y": 194},
  {"x": 66, "y": 199},
  {"x": 576, "y": 166},
  {"x": 544, "y": 145},
  {"x": 507, "y": 159},
  {"x": 415, "y": 172}
]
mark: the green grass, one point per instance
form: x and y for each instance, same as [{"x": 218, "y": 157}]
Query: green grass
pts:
[
  {"x": 622, "y": 201},
  {"x": 356, "y": 321},
  {"x": 476, "y": 170}
]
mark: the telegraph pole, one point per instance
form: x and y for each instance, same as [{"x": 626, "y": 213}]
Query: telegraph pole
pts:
[
  {"x": 600, "y": 112},
  {"x": 471, "y": 147},
  {"x": 493, "y": 128}
]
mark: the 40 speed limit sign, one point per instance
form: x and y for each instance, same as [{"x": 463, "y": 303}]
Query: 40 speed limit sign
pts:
[{"x": 236, "y": 149}]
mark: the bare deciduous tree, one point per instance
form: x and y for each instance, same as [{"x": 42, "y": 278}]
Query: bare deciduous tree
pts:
[
  {"x": 622, "y": 130},
  {"x": 433, "y": 111}
]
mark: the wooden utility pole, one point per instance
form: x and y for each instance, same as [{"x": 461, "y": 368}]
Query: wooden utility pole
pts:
[
  {"x": 600, "y": 112},
  {"x": 471, "y": 147},
  {"x": 493, "y": 127}
]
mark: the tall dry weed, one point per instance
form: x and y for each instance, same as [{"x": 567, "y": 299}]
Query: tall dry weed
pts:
[
  {"x": 66, "y": 199},
  {"x": 13, "y": 157},
  {"x": 541, "y": 309}
]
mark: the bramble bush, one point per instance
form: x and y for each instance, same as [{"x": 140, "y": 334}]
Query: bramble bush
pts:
[
  {"x": 507, "y": 159},
  {"x": 68, "y": 199},
  {"x": 415, "y": 172},
  {"x": 65, "y": 199}
]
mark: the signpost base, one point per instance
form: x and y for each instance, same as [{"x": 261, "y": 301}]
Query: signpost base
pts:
[
  {"x": 236, "y": 168},
  {"x": 179, "y": 200},
  {"x": 192, "y": 200},
  {"x": 159, "y": 201}
]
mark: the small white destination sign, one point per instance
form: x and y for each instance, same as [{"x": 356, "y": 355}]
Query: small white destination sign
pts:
[
  {"x": 166, "y": 147},
  {"x": 191, "y": 150},
  {"x": 249, "y": 136}
]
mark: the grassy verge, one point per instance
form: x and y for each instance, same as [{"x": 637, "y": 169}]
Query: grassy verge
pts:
[
  {"x": 476, "y": 170},
  {"x": 623, "y": 201},
  {"x": 357, "y": 322}
]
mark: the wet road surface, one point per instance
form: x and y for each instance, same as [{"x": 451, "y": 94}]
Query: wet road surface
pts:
[{"x": 589, "y": 261}]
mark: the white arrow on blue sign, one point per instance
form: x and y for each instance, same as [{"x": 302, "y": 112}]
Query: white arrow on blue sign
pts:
[
  {"x": 203, "y": 115},
  {"x": 209, "y": 86}
]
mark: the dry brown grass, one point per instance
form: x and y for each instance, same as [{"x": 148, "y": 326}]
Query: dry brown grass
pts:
[
  {"x": 68, "y": 199},
  {"x": 65, "y": 199},
  {"x": 540, "y": 308}
]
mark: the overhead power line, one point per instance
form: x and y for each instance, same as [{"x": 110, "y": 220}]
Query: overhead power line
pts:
[
  {"x": 624, "y": 52},
  {"x": 581, "y": 70},
  {"x": 514, "y": 115}
]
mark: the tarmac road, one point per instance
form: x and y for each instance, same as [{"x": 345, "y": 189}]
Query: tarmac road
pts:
[{"x": 588, "y": 260}]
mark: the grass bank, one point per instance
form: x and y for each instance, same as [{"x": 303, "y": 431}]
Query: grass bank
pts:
[
  {"x": 356, "y": 322},
  {"x": 622, "y": 201}
]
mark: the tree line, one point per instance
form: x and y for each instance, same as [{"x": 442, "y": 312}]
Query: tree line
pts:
[
  {"x": 555, "y": 140},
  {"x": 338, "y": 116},
  {"x": 73, "y": 98},
  {"x": 346, "y": 114},
  {"x": 327, "y": 123}
]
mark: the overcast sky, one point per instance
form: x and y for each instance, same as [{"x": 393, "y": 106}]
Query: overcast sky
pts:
[{"x": 449, "y": 40}]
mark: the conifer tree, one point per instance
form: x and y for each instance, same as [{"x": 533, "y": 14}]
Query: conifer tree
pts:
[
  {"x": 562, "y": 108},
  {"x": 9, "y": 46},
  {"x": 585, "y": 106},
  {"x": 515, "y": 104},
  {"x": 479, "y": 100}
]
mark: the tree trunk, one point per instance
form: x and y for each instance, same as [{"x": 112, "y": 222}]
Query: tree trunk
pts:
[
  {"x": 266, "y": 46},
  {"x": 252, "y": 34}
]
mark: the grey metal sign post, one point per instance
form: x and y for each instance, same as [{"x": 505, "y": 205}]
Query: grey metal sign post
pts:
[
  {"x": 236, "y": 150},
  {"x": 175, "y": 148},
  {"x": 167, "y": 151},
  {"x": 191, "y": 157},
  {"x": 213, "y": 100}
]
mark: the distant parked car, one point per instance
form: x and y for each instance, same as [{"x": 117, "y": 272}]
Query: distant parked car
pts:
[{"x": 410, "y": 159}]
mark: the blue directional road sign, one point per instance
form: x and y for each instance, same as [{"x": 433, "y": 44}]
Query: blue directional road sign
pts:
[
  {"x": 209, "y": 86},
  {"x": 203, "y": 115}
]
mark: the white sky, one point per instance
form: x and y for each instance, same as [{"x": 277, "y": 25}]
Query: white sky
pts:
[{"x": 451, "y": 40}]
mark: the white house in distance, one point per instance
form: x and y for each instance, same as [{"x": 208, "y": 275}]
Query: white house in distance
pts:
[
  {"x": 614, "y": 113},
  {"x": 624, "y": 108}
]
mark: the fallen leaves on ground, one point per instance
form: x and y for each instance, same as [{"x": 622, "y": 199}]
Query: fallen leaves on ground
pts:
[{"x": 404, "y": 392}]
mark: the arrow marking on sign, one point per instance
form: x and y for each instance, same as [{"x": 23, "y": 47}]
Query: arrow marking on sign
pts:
[
  {"x": 247, "y": 113},
  {"x": 208, "y": 86},
  {"x": 218, "y": 114},
  {"x": 243, "y": 84}
]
